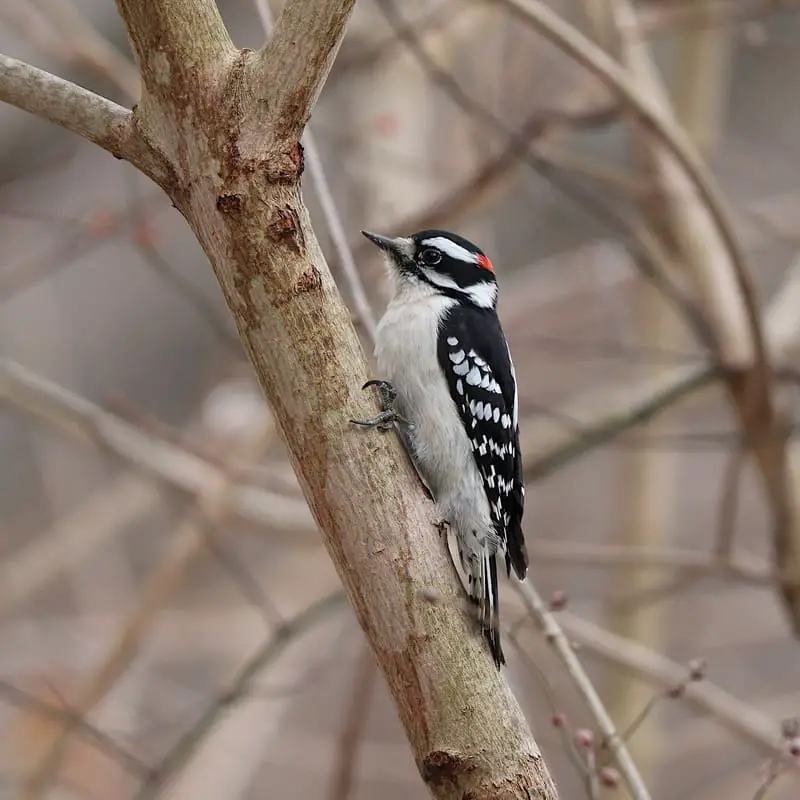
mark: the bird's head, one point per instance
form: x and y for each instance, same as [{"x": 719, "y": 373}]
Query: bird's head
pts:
[{"x": 443, "y": 261}]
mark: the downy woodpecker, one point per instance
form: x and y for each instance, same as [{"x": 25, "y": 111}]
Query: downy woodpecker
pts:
[{"x": 450, "y": 391}]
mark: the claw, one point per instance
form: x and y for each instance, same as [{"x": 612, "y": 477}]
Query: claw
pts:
[
  {"x": 386, "y": 391},
  {"x": 388, "y": 418},
  {"x": 384, "y": 421},
  {"x": 442, "y": 526}
]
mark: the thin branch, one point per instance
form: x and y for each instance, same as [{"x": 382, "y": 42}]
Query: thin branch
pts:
[
  {"x": 72, "y": 539},
  {"x": 539, "y": 129},
  {"x": 82, "y": 419},
  {"x": 187, "y": 543},
  {"x": 740, "y": 566},
  {"x": 554, "y": 635},
  {"x": 573, "y": 43},
  {"x": 87, "y": 45},
  {"x": 240, "y": 687},
  {"x": 548, "y": 447},
  {"x": 78, "y": 110},
  {"x": 655, "y": 668},
  {"x": 353, "y": 728},
  {"x": 67, "y": 716}
]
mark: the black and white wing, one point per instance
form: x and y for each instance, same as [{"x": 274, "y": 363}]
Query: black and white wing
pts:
[{"x": 475, "y": 360}]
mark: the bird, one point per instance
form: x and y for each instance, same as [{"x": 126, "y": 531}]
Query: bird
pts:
[{"x": 449, "y": 389}]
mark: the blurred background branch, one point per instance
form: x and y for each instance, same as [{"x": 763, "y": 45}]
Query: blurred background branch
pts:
[{"x": 638, "y": 436}]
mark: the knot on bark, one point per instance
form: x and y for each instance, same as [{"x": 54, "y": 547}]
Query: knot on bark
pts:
[
  {"x": 229, "y": 203},
  {"x": 309, "y": 281},
  {"x": 287, "y": 165},
  {"x": 441, "y": 767},
  {"x": 284, "y": 228}
]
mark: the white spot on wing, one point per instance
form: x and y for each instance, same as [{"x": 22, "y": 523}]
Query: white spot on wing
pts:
[
  {"x": 452, "y": 341},
  {"x": 459, "y": 386},
  {"x": 474, "y": 376},
  {"x": 457, "y": 357},
  {"x": 462, "y": 368},
  {"x": 496, "y": 414}
]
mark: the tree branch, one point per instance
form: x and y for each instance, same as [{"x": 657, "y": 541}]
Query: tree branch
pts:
[
  {"x": 573, "y": 43},
  {"x": 153, "y": 455},
  {"x": 187, "y": 543},
  {"x": 555, "y": 636},
  {"x": 293, "y": 65},
  {"x": 744, "y": 720},
  {"x": 78, "y": 110},
  {"x": 174, "y": 43},
  {"x": 241, "y": 684}
]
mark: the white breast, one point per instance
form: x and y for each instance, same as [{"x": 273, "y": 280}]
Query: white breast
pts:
[{"x": 406, "y": 352}]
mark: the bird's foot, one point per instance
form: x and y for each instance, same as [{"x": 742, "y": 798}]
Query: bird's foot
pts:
[
  {"x": 442, "y": 526},
  {"x": 388, "y": 418}
]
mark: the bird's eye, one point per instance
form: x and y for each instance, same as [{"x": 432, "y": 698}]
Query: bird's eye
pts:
[{"x": 430, "y": 256}]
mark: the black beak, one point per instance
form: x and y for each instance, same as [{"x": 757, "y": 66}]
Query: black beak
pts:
[{"x": 385, "y": 243}]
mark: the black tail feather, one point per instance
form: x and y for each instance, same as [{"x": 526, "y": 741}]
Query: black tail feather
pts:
[
  {"x": 516, "y": 552},
  {"x": 490, "y": 618}
]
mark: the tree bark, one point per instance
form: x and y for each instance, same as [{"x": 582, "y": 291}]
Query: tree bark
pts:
[{"x": 228, "y": 124}]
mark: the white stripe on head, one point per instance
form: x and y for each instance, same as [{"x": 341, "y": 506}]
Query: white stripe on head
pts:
[
  {"x": 450, "y": 248},
  {"x": 482, "y": 294}
]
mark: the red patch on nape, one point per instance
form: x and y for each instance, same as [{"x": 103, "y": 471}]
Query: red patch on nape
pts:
[{"x": 484, "y": 262}]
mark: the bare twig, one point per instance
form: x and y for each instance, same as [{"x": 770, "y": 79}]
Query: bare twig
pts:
[
  {"x": 573, "y": 43},
  {"x": 727, "y": 709},
  {"x": 72, "y": 539},
  {"x": 154, "y": 455},
  {"x": 773, "y": 773},
  {"x": 90, "y": 47},
  {"x": 548, "y": 447},
  {"x": 187, "y": 544},
  {"x": 540, "y": 129},
  {"x": 743, "y": 567},
  {"x": 67, "y": 716},
  {"x": 555, "y": 636},
  {"x": 353, "y": 729},
  {"x": 240, "y": 687}
]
